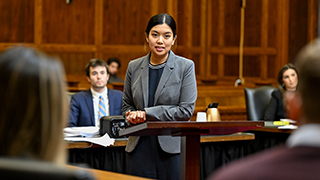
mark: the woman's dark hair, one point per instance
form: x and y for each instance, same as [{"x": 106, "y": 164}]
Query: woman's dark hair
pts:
[
  {"x": 161, "y": 19},
  {"x": 282, "y": 70}
]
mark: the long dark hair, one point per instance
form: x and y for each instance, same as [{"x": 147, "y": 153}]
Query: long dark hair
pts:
[
  {"x": 282, "y": 87},
  {"x": 161, "y": 19}
]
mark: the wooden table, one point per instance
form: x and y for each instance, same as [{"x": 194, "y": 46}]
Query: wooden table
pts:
[
  {"x": 274, "y": 130},
  {"x": 190, "y": 138},
  {"x": 78, "y": 151},
  {"x": 269, "y": 137},
  {"x": 203, "y": 139},
  {"x": 82, "y": 144}
]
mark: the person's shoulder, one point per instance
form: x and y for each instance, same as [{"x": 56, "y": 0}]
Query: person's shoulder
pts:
[
  {"x": 277, "y": 93},
  {"x": 137, "y": 61},
  {"x": 182, "y": 62},
  {"x": 118, "y": 79},
  {"x": 251, "y": 167},
  {"x": 115, "y": 79},
  {"x": 81, "y": 93},
  {"x": 115, "y": 91},
  {"x": 79, "y": 97}
]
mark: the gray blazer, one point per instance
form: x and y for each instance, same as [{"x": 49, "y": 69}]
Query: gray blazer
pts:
[{"x": 175, "y": 96}]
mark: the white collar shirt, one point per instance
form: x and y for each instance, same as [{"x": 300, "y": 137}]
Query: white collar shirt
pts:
[{"x": 95, "y": 98}]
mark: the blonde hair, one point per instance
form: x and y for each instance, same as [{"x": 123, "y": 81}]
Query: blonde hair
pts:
[{"x": 34, "y": 105}]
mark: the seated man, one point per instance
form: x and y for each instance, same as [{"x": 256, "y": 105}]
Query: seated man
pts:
[
  {"x": 87, "y": 107},
  {"x": 300, "y": 157},
  {"x": 113, "y": 66}
]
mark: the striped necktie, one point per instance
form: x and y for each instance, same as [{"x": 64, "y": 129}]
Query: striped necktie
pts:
[{"x": 102, "y": 107}]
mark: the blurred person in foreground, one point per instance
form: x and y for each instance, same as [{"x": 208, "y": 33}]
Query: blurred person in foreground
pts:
[
  {"x": 299, "y": 158},
  {"x": 33, "y": 106}
]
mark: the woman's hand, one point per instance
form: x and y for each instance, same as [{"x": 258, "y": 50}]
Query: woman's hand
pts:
[{"x": 136, "y": 117}]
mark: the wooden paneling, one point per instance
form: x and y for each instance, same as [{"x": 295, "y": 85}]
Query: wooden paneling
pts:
[
  {"x": 231, "y": 102},
  {"x": 214, "y": 20},
  {"x": 265, "y": 38},
  {"x": 252, "y": 66},
  {"x": 231, "y": 15},
  {"x": 271, "y": 64},
  {"x": 125, "y": 58},
  {"x": 208, "y": 33},
  {"x": 16, "y": 21},
  {"x": 196, "y": 57},
  {"x": 272, "y": 23},
  {"x": 213, "y": 65},
  {"x": 124, "y": 22},
  {"x": 253, "y": 23},
  {"x": 231, "y": 65},
  {"x": 196, "y": 23},
  {"x": 298, "y": 33},
  {"x": 68, "y": 23},
  {"x": 75, "y": 63},
  {"x": 192, "y": 33}
]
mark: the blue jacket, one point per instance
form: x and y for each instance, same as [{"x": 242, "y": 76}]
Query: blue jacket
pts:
[{"x": 81, "y": 107}]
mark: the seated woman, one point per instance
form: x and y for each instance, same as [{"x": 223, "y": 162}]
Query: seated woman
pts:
[
  {"x": 33, "y": 106},
  {"x": 287, "y": 81}
]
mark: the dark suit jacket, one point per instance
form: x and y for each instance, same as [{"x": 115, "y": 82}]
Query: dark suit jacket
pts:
[
  {"x": 81, "y": 107},
  {"x": 174, "y": 99},
  {"x": 114, "y": 79},
  {"x": 275, "y": 110},
  {"x": 281, "y": 163}
]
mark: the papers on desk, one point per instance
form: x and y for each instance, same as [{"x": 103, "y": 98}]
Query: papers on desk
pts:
[
  {"x": 105, "y": 140},
  {"x": 87, "y": 134},
  {"x": 89, "y": 131},
  {"x": 275, "y": 123},
  {"x": 282, "y": 124},
  {"x": 288, "y": 120},
  {"x": 288, "y": 127}
]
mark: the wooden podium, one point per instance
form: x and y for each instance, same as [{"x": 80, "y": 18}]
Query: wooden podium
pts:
[{"x": 190, "y": 138}]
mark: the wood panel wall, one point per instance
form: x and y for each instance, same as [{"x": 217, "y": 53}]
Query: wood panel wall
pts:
[{"x": 208, "y": 33}]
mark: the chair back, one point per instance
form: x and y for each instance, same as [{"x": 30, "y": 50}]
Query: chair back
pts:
[
  {"x": 69, "y": 95},
  {"x": 11, "y": 168},
  {"x": 257, "y": 100}
]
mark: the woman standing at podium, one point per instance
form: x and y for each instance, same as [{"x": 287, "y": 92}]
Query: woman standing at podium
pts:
[{"x": 160, "y": 86}]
